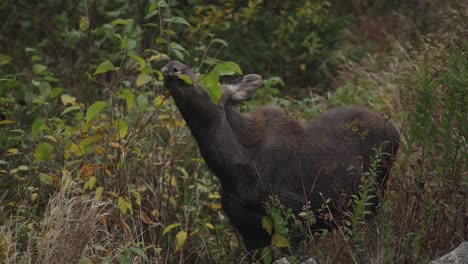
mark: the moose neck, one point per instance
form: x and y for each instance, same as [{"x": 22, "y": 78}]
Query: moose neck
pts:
[{"x": 196, "y": 107}]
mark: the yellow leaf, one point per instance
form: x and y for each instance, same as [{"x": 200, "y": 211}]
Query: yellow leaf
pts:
[
  {"x": 181, "y": 237},
  {"x": 210, "y": 226},
  {"x": 98, "y": 150},
  {"x": 194, "y": 232},
  {"x": 158, "y": 57},
  {"x": 169, "y": 228},
  {"x": 155, "y": 213},
  {"x": 90, "y": 183},
  {"x": 51, "y": 138},
  {"x": 124, "y": 205},
  {"x": 34, "y": 197},
  {"x": 77, "y": 150},
  {"x": 279, "y": 241},
  {"x": 142, "y": 188},
  {"x": 98, "y": 193},
  {"x": 267, "y": 224},
  {"x": 172, "y": 202},
  {"x": 7, "y": 121},
  {"x": 159, "y": 100},
  {"x": 30, "y": 225},
  {"x": 174, "y": 182},
  {"x": 23, "y": 168},
  {"x": 214, "y": 195},
  {"x": 13, "y": 151},
  {"x": 137, "y": 197},
  {"x": 67, "y": 99},
  {"x": 215, "y": 206}
]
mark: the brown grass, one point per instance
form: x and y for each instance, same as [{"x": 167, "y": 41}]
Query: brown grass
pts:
[{"x": 70, "y": 224}]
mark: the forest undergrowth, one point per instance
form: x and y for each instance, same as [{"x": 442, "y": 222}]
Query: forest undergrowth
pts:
[{"x": 97, "y": 165}]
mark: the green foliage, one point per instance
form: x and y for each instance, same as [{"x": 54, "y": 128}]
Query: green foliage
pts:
[
  {"x": 434, "y": 142},
  {"x": 362, "y": 203},
  {"x": 211, "y": 81},
  {"x": 297, "y": 42},
  {"x": 84, "y": 119}
]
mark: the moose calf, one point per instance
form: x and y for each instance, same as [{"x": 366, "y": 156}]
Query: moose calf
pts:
[{"x": 265, "y": 153}]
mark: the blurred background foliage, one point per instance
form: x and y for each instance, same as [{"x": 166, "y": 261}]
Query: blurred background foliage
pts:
[{"x": 94, "y": 155}]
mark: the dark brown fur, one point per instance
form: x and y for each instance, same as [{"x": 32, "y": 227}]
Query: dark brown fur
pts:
[{"x": 266, "y": 153}]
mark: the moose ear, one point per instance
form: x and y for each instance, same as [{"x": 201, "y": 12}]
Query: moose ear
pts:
[{"x": 244, "y": 89}]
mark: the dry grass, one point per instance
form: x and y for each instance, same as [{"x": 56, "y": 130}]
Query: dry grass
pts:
[{"x": 70, "y": 224}]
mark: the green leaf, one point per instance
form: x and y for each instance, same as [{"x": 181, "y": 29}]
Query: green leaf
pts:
[
  {"x": 220, "y": 41},
  {"x": 129, "y": 98},
  {"x": 100, "y": 248},
  {"x": 227, "y": 68},
  {"x": 142, "y": 78},
  {"x": 151, "y": 14},
  {"x": 56, "y": 92},
  {"x": 139, "y": 252},
  {"x": 5, "y": 59},
  {"x": 45, "y": 88},
  {"x": 34, "y": 58},
  {"x": 46, "y": 179},
  {"x": 267, "y": 256},
  {"x": 120, "y": 21},
  {"x": 181, "y": 237},
  {"x": 39, "y": 69},
  {"x": 186, "y": 79},
  {"x": 177, "y": 46},
  {"x": 142, "y": 101},
  {"x": 28, "y": 50},
  {"x": 150, "y": 25},
  {"x": 122, "y": 127},
  {"x": 94, "y": 110},
  {"x": 105, "y": 67},
  {"x": 152, "y": 7},
  {"x": 160, "y": 40},
  {"x": 127, "y": 44},
  {"x": 177, "y": 20},
  {"x": 69, "y": 109},
  {"x": 211, "y": 81},
  {"x": 178, "y": 54},
  {"x": 123, "y": 259},
  {"x": 162, "y": 4},
  {"x": 211, "y": 84},
  {"x": 170, "y": 227},
  {"x": 38, "y": 126},
  {"x": 43, "y": 152}
]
